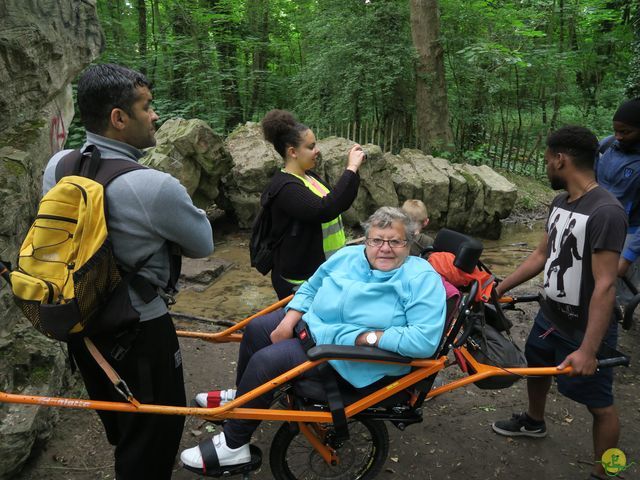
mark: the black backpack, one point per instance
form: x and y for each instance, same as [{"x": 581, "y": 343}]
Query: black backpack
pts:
[{"x": 262, "y": 244}]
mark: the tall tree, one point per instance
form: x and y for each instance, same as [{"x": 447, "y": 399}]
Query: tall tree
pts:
[
  {"x": 227, "y": 33},
  {"x": 633, "y": 82},
  {"x": 432, "y": 110},
  {"x": 142, "y": 34},
  {"x": 258, "y": 23}
]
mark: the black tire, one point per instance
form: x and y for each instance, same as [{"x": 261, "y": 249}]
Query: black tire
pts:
[{"x": 361, "y": 457}]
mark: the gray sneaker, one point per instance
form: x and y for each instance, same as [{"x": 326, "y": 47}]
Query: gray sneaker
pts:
[{"x": 520, "y": 425}]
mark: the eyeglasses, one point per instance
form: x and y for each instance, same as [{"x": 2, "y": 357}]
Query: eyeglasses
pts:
[{"x": 378, "y": 242}]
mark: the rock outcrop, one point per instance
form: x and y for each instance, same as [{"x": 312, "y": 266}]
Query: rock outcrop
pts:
[
  {"x": 471, "y": 199},
  {"x": 191, "y": 151},
  {"x": 467, "y": 198},
  {"x": 376, "y": 186},
  {"x": 43, "y": 47},
  {"x": 254, "y": 161}
]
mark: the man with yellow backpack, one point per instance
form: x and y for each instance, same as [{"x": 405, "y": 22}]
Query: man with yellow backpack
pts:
[{"x": 148, "y": 216}]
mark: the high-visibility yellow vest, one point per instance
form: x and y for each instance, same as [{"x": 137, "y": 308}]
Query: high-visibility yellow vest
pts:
[{"x": 333, "y": 237}]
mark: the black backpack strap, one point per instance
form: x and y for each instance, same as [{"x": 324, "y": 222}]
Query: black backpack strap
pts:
[
  {"x": 89, "y": 164},
  {"x": 175, "y": 267},
  {"x": 68, "y": 165},
  {"x": 113, "y": 168}
]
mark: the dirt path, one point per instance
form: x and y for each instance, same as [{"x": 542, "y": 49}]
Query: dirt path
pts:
[{"x": 454, "y": 441}]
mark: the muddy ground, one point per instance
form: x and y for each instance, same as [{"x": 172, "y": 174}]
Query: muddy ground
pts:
[{"x": 455, "y": 440}]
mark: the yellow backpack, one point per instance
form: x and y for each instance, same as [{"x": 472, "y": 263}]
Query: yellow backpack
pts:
[{"x": 66, "y": 272}]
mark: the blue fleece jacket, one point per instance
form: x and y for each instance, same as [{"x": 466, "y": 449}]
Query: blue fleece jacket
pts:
[
  {"x": 346, "y": 297},
  {"x": 618, "y": 172}
]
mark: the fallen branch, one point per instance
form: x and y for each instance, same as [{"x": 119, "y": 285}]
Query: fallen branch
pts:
[
  {"x": 209, "y": 321},
  {"x": 78, "y": 469}
]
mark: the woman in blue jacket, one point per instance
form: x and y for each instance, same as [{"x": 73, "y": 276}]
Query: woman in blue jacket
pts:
[{"x": 374, "y": 295}]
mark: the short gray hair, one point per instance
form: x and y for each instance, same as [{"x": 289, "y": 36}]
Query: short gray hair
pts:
[{"x": 385, "y": 216}]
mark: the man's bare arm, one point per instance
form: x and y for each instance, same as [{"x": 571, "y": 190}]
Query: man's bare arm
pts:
[{"x": 604, "y": 265}]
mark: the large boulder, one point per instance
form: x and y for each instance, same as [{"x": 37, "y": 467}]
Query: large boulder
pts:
[
  {"x": 414, "y": 175},
  {"x": 376, "y": 186},
  {"x": 43, "y": 47},
  {"x": 254, "y": 161},
  {"x": 193, "y": 153},
  {"x": 462, "y": 197}
]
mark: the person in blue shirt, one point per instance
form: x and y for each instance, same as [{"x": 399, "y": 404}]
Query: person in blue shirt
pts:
[
  {"x": 618, "y": 171},
  {"x": 374, "y": 294}
]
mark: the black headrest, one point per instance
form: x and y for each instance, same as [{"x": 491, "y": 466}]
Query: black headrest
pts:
[{"x": 466, "y": 249}]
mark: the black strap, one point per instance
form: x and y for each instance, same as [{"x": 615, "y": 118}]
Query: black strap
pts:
[
  {"x": 89, "y": 164},
  {"x": 335, "y": 402},
  {"x": 210, "y": 461},
  {"x": 175, "y": 267},
  {"x": 68, "y": 164},
  {"x": 271, "y": 196},
  {"x": 328, "y": 377}
]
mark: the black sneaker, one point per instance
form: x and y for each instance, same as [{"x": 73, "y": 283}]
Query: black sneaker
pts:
[{"x": 520, "y": 425}]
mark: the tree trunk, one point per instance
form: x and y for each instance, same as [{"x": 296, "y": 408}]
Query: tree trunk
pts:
[
  {"x": 432, "y": 111},
  {"x": 142, "y": 35},
  {"x": 180, "y": 25},
  {"x": 633, "y": 83},
  {"x": 258, "y": 12},
  {"x": 227, "y": 35}
]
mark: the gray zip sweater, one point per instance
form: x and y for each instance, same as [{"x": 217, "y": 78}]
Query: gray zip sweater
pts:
[{"x": 146, "y": 208}]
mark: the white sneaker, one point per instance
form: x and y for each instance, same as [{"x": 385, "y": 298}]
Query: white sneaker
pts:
[
  {"x": 215, "y": 398},
  {"x": 192, "y": 457}
]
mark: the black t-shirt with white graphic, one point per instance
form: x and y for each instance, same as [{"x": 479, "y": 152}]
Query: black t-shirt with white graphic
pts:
[{"x": 595, "y": 221}]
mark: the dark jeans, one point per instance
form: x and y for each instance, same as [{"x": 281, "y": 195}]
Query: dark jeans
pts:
[
  {"x": 259, "y": 361},
  {"x": 146, "y": 445},
  {"x": 545, "y": 349}
]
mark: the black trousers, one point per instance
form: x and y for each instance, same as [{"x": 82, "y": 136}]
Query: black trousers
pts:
[{"x": 146, "y": 444}]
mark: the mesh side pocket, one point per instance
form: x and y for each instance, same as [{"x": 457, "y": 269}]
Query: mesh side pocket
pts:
[
  {"x": 31, "y": 310},
  {"x": 95, "y": 281}
]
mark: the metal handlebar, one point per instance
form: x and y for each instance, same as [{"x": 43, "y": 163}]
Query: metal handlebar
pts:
[{"x": 613, "y": 362}]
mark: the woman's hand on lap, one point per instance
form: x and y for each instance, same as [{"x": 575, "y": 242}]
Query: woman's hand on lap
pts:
[{"x": 284, "y": 330}]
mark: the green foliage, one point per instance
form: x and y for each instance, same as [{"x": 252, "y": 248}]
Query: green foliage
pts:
[{"x": 515, "y": 68}]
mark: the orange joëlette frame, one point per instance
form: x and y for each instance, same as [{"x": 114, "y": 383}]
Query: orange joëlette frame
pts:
[{"x": 233, "y": 409}]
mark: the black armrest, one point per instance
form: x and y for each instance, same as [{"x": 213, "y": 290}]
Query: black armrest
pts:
[{"x": 321, "y": 352}]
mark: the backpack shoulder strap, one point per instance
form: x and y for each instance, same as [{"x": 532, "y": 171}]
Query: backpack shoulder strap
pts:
[
  {"x": 113, "y": 168},
  {"x": 68, "y": 164},
  {"x": 273, "y": 191},
  {"x": 89, "y": 164}
]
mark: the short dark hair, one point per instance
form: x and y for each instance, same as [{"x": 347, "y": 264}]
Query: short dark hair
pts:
[
  {"x": 102, "y": 88},
  {"x": 578, "y": 142}
]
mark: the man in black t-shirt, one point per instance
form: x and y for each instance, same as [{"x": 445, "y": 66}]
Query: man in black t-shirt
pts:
[{"x": 579, "y": 254}]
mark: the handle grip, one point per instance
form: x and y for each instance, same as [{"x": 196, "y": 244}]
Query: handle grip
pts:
[
  {"x": 519, "y": 299},
  {"x": 613, "y": 362}
]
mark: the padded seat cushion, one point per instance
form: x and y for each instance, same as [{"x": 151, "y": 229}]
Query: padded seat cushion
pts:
[{"x": 314, "y": 389}]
